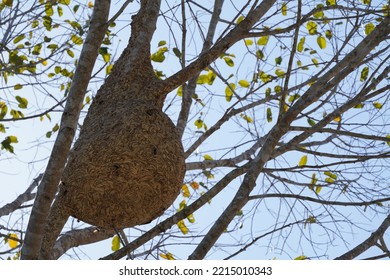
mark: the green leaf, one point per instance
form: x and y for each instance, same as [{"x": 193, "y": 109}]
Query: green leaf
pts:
[
  {"x": 244, "y": 83},
  {"x": 2, "y": 128},
  {"x": 6, "y": 144},
  {"x": 313, "y": 181},
  {"x": 321, "y": 41},
  {"x": 311, "y": 122},
  {"x": 278, "y": 60},
  {"x": 300, "y": 258},
  {"x": 23, "y": 102},
  {"x": 19, "y": 38},
  {"x": 303, "y": 161},
  {"x": 364, "y": 74},
  {"x": 263, "y": 40},
  {"x": 18, "y": 86},
  {"x": 359, "y": 106},
  {"x": 315, "y": 62},
  {"x": 229, "y": 61},
  {"x": 328, "y": 34},
  {"x": 60, "y": 11},
  {"x": 311, "y": 27},
  {"x": 318, "y": 189},
  {"x": 301, "y": 44},
  {"x": 162, "y": 43},
  {"x": 115, "y": 243},
  {"x": 177, "y": 52},
  {"x": 259, "y": 54},
  {"x": 269, "y": 115},
  {"x": 55, "y": 128}
]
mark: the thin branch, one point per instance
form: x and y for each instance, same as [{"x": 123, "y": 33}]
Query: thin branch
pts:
[
  {"x": 319, "y": 201},
  {"x": 22, "y": 198},
  {"x": 368, "y": 243}
]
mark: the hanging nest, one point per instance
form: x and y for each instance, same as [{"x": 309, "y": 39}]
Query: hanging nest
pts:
[{"x": 126, "y": 168}]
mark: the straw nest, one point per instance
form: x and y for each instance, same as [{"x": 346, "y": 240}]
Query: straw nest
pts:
[{"x": 126, "y": 168}]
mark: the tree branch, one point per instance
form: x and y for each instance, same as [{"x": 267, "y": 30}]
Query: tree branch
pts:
[{"x": 68, "y": 126}]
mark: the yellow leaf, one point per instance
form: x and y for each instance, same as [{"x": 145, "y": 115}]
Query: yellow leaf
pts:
[
  {"x": 229, "y": 92},
  {"x": 182, "y": 205},
  {"x": 248, "y": 42},
  {"x": 109, "y": 68},
  {"x": 388, "y": 142},
  {"x": 368, "y": 28},
  {"x": 244, "y": 83},
  {"x": 13, "y": 243},
  {"x": 331, "y": 2},
  {"x": 321, "y": 42},
  {"x": 300, "y": 258},
  {"x": 279, "y": 72},
  {"x": 180, "y": 91},
  {"x": 183, "y": 228},
  {"x": 301, "y": 44},
  {"x": 311, "y": 27},
  {"x": 207, "y": 157},
  {"x": 115, "y": 243},
  {"x": 264, "y": 77},
  {"x": 303, "y": 161},
  {"x": 318, "y": 189},
  {"x": 315, "y": 61},
  {"x": 240, "y": 18},
  {"x": 167, "y": 256},
  {"x": 284, "y": 9},
  {"x": 378, "y": 105},
  {"x": 198, "y": 123},
  {"x": 90, "y": 4},
  {"x": 194, "y": 185},
  {"x": 364, "y": 74},
  {"x": 247, "y": 118},
  {"x": 191, "y": 218},
  {"x": 263, "y": 41},
  {"x": 185, "y": 191},
  {"x": 337, "y": 119}
]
